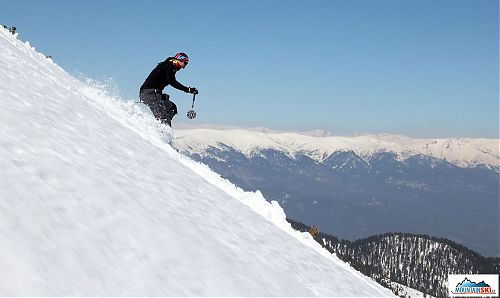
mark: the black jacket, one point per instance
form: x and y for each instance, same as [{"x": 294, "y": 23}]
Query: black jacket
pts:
[{"x": 162, "y": 76}]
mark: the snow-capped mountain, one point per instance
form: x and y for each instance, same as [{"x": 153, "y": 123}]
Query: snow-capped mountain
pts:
[
  {"x": 94, "y": 202},
  {"x": 463, "y": 152},
  {"x": 355, "y": 187}
]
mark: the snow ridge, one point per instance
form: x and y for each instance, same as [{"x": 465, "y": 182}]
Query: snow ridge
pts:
[{"x": 95, "y": 202}]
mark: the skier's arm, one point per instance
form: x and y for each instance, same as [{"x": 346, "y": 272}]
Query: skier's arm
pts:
[{"x": 174, "y": 83}]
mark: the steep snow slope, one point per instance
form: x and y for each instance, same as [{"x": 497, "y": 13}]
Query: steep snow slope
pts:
[
  {"x": 464, "y": 152},
  {"x": 94, "y": 202}
]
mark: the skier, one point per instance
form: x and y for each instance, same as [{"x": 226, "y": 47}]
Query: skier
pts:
[{"x": 160, "y": 77}]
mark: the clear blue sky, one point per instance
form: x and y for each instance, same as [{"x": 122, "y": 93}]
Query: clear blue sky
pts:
[{"x": 426, "y": 68}]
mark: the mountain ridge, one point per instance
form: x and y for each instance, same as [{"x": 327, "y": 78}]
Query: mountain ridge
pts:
[
  {"x": 419, "y": 261},
  {"x": 463, "y": 152},
  {"x": 354, "y": 196}
]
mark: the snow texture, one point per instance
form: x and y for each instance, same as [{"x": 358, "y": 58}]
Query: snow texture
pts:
[{"x": 95, "y": 202}]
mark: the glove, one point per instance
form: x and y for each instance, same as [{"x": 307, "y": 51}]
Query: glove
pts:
[{"x": 192, "y": 90}]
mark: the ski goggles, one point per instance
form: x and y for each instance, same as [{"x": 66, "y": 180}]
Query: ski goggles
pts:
[{"x": 184, "y": 59}]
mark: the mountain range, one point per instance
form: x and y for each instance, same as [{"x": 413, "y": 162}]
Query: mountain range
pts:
[{"x": 356, "y": 187}]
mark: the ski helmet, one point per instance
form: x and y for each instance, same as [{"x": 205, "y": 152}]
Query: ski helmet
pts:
[{"x": 182, "y": 57}]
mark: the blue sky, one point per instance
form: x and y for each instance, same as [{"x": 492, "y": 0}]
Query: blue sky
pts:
[{"x": 426, "y": 68}]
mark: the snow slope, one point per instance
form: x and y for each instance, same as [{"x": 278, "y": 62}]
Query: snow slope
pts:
[
  {"x": 464, "y": 152},
  {"x": 94, "y": 202}
]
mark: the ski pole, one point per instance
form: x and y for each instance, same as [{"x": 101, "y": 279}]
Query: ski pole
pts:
[
  {"x": 192, "y": 106},
  {"x": 191, "y": 114}
]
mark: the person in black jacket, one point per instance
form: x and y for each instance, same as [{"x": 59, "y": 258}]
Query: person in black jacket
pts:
[{"x": 160, "y": 77}]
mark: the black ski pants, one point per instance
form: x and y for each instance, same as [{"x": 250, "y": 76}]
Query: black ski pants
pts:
[{"x": 161, "y": 106}]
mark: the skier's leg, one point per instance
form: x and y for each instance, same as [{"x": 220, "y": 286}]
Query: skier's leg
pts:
[
  {"x": 171, "y": 109},
  {"x": 157, "y": 105}
]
